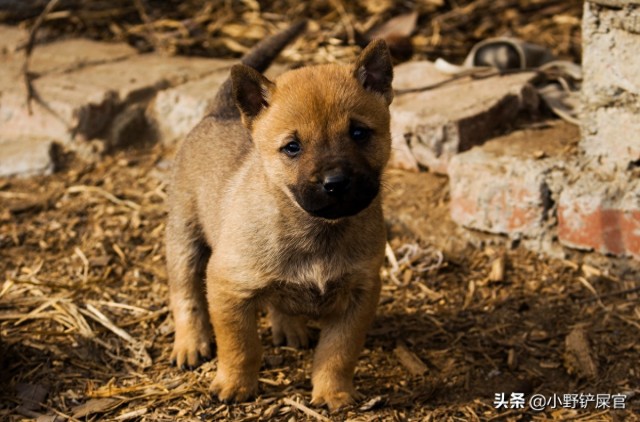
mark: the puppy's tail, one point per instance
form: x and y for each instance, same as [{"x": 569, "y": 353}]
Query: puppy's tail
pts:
[{"x": 259, "y": 58}]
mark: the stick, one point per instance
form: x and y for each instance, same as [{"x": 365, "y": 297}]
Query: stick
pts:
[
  {"x": 106, "y": 322},
  {"x": 306, "y": 410},
  {"x": 409, "y": 360},
  {"x": 611, "y": 294},
  {"x": 104, "y": 194},
  {"x": 28, "y": 77}
]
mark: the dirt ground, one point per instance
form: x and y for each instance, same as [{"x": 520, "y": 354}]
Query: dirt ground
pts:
[{"x": 86, "y": 334}]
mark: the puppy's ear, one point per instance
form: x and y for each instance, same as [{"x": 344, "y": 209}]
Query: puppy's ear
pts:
[
  {"x": 374, "y": 70},
  {"x": 251, "y": 92}
]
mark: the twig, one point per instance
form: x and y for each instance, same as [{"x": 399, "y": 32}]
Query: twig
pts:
[
  {"x": 143, "y": 358},
  {"x": 592, "y": 289},
  {"x": 105, "y": 194},
  {"x": 475, "y": 74},
  {"x": 28, "y": 76},
  {"x": 85, "y": 263},
  {"x": 346, "y": 20},
  {"x": 102, "y": 319},
  {"x": 132, "y": 414},
  {"x": 306, "y": 410},
  {"x": 611, "y": 294},
  {"x": 147, "y": 26},
  {"x": 391, "y": 257},
  {"x": 502, "y": 416},
  {"x": 410, "y": 360},
  {"x": 59, "y": 413}
]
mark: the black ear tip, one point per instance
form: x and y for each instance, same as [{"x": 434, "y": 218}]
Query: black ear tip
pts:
[
  {"x": 377, "y": 48},
  {"x": 374, "y": 69},
  {"x": 380, "y": 43},
  {"x": 238, "y": 70}
]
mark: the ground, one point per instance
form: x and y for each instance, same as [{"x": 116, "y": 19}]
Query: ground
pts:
[
  {"x": 84, "y": 318},
  {"x": 85, "y": 332}
]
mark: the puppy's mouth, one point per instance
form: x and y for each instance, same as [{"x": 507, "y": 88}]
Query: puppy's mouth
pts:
[{"x": 318, "y": 202}]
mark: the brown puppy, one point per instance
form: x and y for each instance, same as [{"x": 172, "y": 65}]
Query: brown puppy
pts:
[{"x": 278, "y": 205}]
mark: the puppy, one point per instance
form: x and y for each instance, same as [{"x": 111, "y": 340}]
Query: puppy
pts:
[{"x": 275, "y": 203}]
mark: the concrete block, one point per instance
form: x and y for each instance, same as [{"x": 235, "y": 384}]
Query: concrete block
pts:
[
  {"x": 11, "y": 38},
  {"x": 442, "y": 122},
  {"x": 67, "y": 55},
  {"x": 610, "y": 58},
  {"x": 504, "y": 186},
  {"x": 612, "y": 137},
  {"x": 175, "y": 111},
  {"x": 27, "y": 157},
  {"x": 611, "y": 87},
  {"x": 80, "y": 104},
  {"x": 600, "y": 214}
]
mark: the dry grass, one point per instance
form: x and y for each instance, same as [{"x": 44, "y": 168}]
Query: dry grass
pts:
[
  {"x": 85, "y": 333},
  {"x": 229, "y": 28}
]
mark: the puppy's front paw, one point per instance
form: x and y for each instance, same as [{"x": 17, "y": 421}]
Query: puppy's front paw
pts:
[
  {"x": 190, "y": 348},
  {"x": 236, "y": 388},
  {"x": 292, "y": 329},
  {"x": 334, "y": 399}
]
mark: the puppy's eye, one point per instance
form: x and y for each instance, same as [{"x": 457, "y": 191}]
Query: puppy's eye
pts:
[
  {"x": 359, "y": 133},
  {"x": 292, "y": 149}
]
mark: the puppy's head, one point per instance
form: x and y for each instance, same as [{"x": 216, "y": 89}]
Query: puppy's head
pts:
[{"x": 322, "y": 132}]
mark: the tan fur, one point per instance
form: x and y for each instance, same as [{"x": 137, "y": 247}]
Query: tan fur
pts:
[{"x": 233, "y": 221}]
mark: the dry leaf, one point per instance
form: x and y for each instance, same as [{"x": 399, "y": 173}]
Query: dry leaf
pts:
[{"x": 95, "y": 406}]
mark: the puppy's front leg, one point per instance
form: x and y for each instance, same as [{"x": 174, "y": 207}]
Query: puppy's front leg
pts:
[
  {"x": 239, "y": 349},
  {"x": 341, "y": 341}
]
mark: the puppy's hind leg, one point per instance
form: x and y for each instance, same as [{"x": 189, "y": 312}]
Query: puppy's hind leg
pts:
[
  {"x": 187, "y": 256},
  {"x": 290, "y": 329}
]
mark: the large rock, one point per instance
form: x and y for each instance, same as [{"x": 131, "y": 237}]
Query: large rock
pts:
[{"x": 439, "y": 123}]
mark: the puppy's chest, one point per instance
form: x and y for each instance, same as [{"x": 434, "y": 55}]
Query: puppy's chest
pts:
[
  {"x": 309, "y": 299},
  {"x": 312, "y": 260},
  {"x": 311, "y": 284}
]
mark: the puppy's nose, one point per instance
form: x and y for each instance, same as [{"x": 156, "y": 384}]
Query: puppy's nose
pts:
[{"x": 335, "y": 182}]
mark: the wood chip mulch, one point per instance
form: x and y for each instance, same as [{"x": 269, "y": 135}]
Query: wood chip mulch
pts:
[{"x": 86, "y": 334}]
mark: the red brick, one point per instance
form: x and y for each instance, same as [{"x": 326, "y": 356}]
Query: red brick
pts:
[
  {"x": 509, "y": 208},
  {"x": 603, "y": 216}
]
